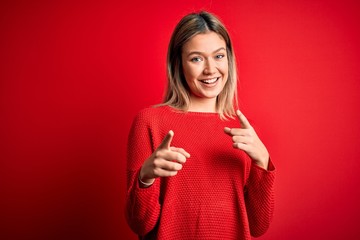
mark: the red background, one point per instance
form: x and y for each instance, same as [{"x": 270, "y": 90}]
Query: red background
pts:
[{"x": 74, "y": 74}]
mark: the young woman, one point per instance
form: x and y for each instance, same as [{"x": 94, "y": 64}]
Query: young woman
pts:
[{"x": 196, "y": 168}]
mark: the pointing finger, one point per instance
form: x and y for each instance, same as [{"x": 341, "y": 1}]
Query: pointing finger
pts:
[
  {"x": 165, "y": 144},
  {"x": 243, "y": 120}
]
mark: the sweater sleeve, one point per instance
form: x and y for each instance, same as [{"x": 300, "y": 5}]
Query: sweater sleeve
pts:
[
  {"x": 259, "y": 198},
  {"x": 142, "y": 204}
]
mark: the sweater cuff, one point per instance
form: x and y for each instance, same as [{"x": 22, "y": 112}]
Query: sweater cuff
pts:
[
  {"x": 259, "y": 174},
  {"x": 141, "y": 188},
  {"x": 271, "y": 167},
  {"x": 261, "y": 177},
  {"x": 144, "y": 184}
]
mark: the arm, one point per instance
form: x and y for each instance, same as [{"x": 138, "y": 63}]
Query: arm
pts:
[
  {"x": 144, "y": 166},
  {"x": 259, "y": 188},
  {"x": 259, "y": 198},
  {"x": 142, "y": 204}
]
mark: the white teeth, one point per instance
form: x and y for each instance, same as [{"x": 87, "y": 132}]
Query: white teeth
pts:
[{"x": 209, "y": 81}]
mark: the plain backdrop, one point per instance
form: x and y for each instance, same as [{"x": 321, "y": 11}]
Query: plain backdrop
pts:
[{"x": 73, "y": 74}]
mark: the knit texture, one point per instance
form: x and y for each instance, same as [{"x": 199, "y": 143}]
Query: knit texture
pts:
[{"x": 219, "y": 193}]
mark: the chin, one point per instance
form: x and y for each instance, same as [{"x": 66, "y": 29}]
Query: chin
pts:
[{"x": 210, "y": 96}]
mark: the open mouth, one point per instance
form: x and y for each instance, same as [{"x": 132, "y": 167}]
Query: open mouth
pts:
[{"x": 210, "y": 81}]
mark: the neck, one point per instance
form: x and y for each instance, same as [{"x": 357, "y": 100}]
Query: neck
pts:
[{"x": 202, "y": 104}]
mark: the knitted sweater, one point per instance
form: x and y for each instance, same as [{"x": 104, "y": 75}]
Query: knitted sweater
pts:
[{"x": 218, "y": 194}]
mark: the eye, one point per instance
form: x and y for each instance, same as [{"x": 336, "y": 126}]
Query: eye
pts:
[
  {"x": 196, "y": 59},
  {"x": 220, "y": 56}
]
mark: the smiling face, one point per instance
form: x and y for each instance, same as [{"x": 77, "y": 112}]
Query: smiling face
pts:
[{"x": 205, "y": 66}]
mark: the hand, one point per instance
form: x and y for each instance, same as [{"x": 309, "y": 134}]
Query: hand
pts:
[
  {"x": 246, "y": 139},
  {"x": 165, "y": 161}
]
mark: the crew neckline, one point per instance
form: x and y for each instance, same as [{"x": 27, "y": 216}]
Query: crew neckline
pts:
[{"x": 191, "y": 112}]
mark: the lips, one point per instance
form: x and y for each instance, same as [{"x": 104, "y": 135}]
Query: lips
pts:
[{"x": 210, "y": 80}]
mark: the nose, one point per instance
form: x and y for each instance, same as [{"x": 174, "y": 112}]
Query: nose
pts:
[{"x": 210, "y": 67}]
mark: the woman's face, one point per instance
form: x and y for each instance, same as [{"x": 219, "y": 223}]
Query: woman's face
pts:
[{"x": 205, "y": 65}]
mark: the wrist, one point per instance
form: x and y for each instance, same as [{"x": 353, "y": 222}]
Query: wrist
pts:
[
  {"x": 263, "y": 163},
  {"x": 145, "y": 182}
]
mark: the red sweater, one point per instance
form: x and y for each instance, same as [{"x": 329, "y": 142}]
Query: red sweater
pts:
[{"x": 219, "y": 193}]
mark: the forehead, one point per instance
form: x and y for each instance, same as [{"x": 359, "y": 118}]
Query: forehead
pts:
[{"x": 204, "y": 42}]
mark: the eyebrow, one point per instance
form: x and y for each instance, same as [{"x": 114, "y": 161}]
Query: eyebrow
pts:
[{"x": 200, "y": 53}]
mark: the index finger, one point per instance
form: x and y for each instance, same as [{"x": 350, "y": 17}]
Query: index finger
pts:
[
  {"x": 165, "y": 144},
  {"x": 243, "y": 120}
]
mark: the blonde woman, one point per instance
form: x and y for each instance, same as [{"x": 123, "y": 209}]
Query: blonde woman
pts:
[{"x": 196, "y": 167}]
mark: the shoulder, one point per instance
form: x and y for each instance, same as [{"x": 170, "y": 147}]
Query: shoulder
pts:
[
  {"x": 153, "y": 111},
  {"x": 151, "y": 120},
  {"x": 151, "y": 114}
]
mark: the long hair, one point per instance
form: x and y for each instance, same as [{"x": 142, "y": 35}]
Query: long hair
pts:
[{"x": 178, "y": 93}]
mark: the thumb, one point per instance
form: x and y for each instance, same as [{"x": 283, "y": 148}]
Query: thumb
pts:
[
  {"x": 243, "y": 120},
  {"x": 165, "y": 144}
]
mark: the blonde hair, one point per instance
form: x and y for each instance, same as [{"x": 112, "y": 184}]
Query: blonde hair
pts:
[{"x": 178, "y": 93}]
